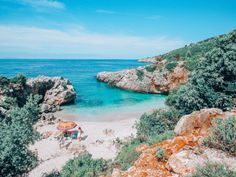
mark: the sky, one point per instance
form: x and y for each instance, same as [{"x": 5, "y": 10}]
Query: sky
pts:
[{"x": 116, "y": 29}]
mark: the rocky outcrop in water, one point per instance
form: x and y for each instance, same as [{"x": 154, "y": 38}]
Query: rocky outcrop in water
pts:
[
  {"x": 155, "y": 78},
  {"x": 55, "y": 91},
  {"x": 184, "y": 152}
]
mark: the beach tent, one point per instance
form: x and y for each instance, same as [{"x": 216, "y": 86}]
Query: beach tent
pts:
[{"x": 66, "y": 125}]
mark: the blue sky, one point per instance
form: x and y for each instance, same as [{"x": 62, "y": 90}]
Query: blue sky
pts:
[{"x": 108, "y": 28}]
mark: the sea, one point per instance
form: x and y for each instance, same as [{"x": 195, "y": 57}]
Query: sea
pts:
[{"x": 96, "y": 101}]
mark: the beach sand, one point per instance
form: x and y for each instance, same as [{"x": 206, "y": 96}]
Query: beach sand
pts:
[{"x": 99, "y": 141}]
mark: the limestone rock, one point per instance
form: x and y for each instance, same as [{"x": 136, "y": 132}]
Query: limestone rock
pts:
[
  {"x": 186, "y": 161},
  {"x": 160, "y": 80},
  {"x": 56, "y": 90},
  {"x": 154, "y": 59},
  {"x": 199, "y": 122}
]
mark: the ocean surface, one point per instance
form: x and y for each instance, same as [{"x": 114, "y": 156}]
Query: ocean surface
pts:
[{"x": 95, "y": 100}]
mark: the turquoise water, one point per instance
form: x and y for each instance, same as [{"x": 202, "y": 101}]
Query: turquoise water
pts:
[{"x": 95, "y": 100}]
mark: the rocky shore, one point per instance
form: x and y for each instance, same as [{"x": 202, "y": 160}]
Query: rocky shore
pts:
[
  {"x": 154, "y": 78},
  {"x": 55, "y": 91}
]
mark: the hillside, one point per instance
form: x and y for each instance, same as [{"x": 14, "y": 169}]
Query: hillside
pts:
[{"x": 171, "y": 69}]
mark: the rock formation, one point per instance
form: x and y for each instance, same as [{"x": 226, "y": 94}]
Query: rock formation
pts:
[
  {"x": 55, "y": 91},
  {"x": 184, "y": 152},
  {"x": 153, "y": 78},
  {"x": 154, "y": 59}
]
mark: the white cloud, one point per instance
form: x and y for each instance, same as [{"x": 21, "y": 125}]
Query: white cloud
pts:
[
  {"x": 38, "y": 4},
  {"x": 102, "y": 11},
  {"x": 32, "y": 42}
]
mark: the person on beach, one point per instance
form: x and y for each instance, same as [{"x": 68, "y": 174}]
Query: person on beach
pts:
[{"x": 80, "y": 132}]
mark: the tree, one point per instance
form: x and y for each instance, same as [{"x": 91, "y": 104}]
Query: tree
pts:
[
  {"x": 212, "y": 83},
  {"x": 16, "y": 134}
]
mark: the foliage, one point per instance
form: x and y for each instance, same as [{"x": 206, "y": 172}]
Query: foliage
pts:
[
  {"x": 212, "y": 82},
  {"x": 171, "y": 65},
  {"x": 223, "y": 135},
  {"x": 213, "y": 170},
  {"x": 157, "y": 138},
  {"x": 15, "y": 88},
  {"x": 85, "y": 166},
  {"x": 128, "y": 155},
  {"x": 160, "y": 154},
  {"x": 16, "y": 134},
  {"x": 156, "y": 123},
  {"x": 140, "y": 74},
  {"x": 151, "y": 68}
]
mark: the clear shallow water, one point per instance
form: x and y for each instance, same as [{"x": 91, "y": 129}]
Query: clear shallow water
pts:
[{"x": 95, "y": 100}]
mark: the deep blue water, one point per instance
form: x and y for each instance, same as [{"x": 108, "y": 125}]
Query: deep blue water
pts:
[{"x": 91, "y": 94}]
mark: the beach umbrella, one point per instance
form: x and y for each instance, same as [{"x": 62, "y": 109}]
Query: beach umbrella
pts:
[{"x": 66, "y": 125}]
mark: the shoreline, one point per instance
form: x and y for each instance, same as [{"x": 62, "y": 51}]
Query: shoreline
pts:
[{"x": 99, "y": 139}]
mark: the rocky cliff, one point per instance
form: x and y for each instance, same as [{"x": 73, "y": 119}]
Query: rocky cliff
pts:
[
  {"x": 55, "y": 91},
  {"x": 182, "y": 153},
  {"x": 154, "y": 78}
]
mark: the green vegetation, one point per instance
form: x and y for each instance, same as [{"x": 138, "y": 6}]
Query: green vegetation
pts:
[
  {"x": 223, "y": 135},
  {"x": 157, "y": 138},
  {"x": 171, "y": 65},
  {"x": 160, "y": 154},
  {"x": 151, "y": 68},
  {"x": 128, "y": 154},
  {"x": 213, "y": 170},
  {"x": 156, "y": 123},
  {"x": 16, "y": 134},
  {"x": 140, "y": 74},
  {"x": 85, "y": 166},
  {"x": 212, "y": 83}
]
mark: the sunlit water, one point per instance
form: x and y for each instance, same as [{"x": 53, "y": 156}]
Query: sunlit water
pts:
[{"x": 95, "y": 100}]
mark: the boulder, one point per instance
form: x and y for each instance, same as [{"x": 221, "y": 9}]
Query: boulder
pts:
[
  {"x": 186, "y": 161},
  {"x": 199, "y": 122}
]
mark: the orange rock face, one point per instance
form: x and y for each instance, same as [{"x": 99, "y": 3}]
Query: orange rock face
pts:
[{"x": 190, "y": 130}]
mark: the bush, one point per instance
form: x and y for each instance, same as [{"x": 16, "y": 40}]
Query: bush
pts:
[
  {"x": 156, "y": 123},
  {"x": 213, "y": 170},
  {"x": 128, "y": 155},
  {"x": 140, "y": 74},
  {"x": 154, "y": 139},
  {"x": 211, "y": 83},
  {"x": 160, "y": 154},
  {"x": 171, "y": 65},
  {"x": 151, "y": 68},
  {"x": 223, "y": 135},
  {"x": 85, "y": 166},
  {"x": 16, "y": 134}
]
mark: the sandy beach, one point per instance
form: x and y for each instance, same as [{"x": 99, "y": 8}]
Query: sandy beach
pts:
[{"x": 99, "y": 140}]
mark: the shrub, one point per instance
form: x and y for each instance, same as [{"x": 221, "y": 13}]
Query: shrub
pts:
[
  {"x": 128, "y": 155},
  {"x": 154, "y": 139},
  {"x": 156, "y": 123},
  {"x": 19, "y": 79},
  {"x": 160, "y": 154},
  {"x": 16, "y": 134},
  {"x": 213, "y": 170},
  {"x": 140, "y": 74},
  {"x": 151, "y": 68},
  {"x": 85, "y": 166},
  {"x": 171, "y": 65},
  {"x": 211, "y": 83},
  {"x": 223, "y": 135}
]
